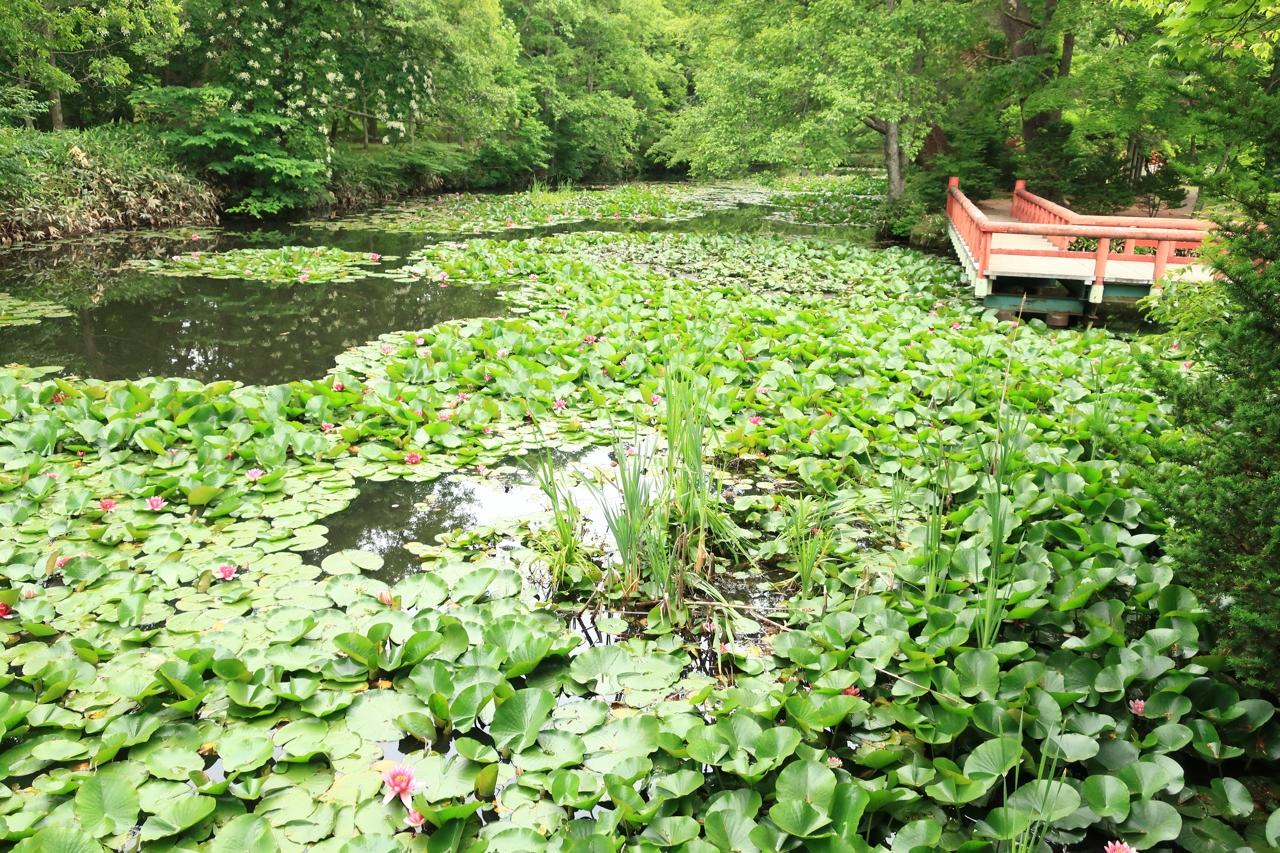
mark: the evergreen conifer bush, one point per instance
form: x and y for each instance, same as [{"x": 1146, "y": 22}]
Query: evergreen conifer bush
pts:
[{"x": 1223, "y": 491}]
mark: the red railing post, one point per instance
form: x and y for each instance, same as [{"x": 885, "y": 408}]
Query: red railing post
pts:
[
  {"x": 1100, "y": 262},
  {"x": 1128, "y": 246},
  {"x": 1163, "y": 250}
]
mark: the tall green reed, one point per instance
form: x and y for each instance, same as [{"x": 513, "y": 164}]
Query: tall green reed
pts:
[
  {"x": 808, "y": 539},
  {"x": 629, "y": 517},
  {"x": 565, "y": 547},
  {"x": 999, "y": 480}
]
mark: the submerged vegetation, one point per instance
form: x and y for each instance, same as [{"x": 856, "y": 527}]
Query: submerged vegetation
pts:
[
  {"x": 539, "y": 208},
  {"x": 968, "y": 639},
  {"x": 290, "y": 264}
]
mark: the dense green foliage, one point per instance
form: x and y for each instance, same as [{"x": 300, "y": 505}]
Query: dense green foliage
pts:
[
  {"x": 1106, "y": 104},
  {"x": 74, "y": 182},
  {"x": 1225, "y": 491}
]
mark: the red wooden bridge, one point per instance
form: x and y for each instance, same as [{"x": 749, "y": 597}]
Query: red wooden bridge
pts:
[{"x": 1026, "y": 255}]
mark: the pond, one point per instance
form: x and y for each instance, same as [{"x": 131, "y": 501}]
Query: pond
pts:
[
  {"x": 126, "y": 324},
  {"x": 656, "y": 516}
]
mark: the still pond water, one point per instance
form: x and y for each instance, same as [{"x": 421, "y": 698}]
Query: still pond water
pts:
[{"x": 127, "y": 324}]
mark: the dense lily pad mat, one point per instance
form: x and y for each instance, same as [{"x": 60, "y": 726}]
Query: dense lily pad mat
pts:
[
  {"x": 287, "y": 265},
  {"x": 21, "y": 312},
  {"x": 167, "y": 630},
  {"x": 852, "y": 199},
  {"x": 464, "y": 212}
]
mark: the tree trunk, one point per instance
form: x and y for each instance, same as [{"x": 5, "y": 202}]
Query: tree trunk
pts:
[
  {"x": 364, "y": 121},
  {"x": 55, "y": 99},
  {"x": 1026, "y": 39},
  {"x": 1068, "y": 51},
  {"x": 893, "y": 160}
]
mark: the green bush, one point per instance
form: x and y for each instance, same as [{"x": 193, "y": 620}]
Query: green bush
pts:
[
  {"x": 1221, "y": 480},
  {"x": 77, "y": 181},
  {"x": 262, "y": 163},
  {"x": 382, "y": 173}
]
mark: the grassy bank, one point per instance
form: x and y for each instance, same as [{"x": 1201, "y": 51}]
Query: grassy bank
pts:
[{"x": 77, "y": 181}]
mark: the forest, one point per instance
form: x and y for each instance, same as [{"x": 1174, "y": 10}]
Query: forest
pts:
[
  {"x": 632, "y": 426},
  {"x": 292, "y": 105}
]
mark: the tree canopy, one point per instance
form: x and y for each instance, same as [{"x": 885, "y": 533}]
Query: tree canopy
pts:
[{"x": 1105, "y": 103}]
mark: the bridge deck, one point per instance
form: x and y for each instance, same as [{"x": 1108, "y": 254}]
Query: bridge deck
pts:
[
  {"x": 1059, "y": 267},
  {"x": 1005, "y": 248}
]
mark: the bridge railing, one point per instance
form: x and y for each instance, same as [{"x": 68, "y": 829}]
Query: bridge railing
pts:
[{"x": 1060, "y": 226}]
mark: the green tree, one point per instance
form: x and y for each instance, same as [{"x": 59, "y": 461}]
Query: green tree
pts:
[
  {"x": 604, "y": 73},
  {"x": 1220, "y": 477},
  {"x": 286, "y": 79},
  {"x": 798, "y": 83},
  {"x": 57, "y": 46}
]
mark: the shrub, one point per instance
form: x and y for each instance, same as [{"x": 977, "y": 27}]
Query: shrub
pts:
[
  {"x": 1221, "y": 479},
  {"x": 382, "y": 173},
  {"x": 261, "y": 162},
  {"x": 77, "y": 181}
]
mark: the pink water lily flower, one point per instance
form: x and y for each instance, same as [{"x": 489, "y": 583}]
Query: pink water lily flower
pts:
[
  {"x": 655, "y": 399},
  {"x": 955, "y": 327},
  {"x": 1186, "y": 365},
  {"x": 62, "y": 561},
  {"x": 253, "y": 475},
  {"x": 1119, "y": 847},
  {"x": 155, "y": 503},
  {"x": 415, "y": 820},
  {"x": 303, "y": 277},
  {"x": 502, "y": 353},
  {"x": 1137, "y": 707},
  {"x": 419, "y": 341},
  {"x": 338, "y": 386},
  {"x": 444, "y": 416},
  {"x": 6, "y": 612},
  {"x": 401, "y": 782},
  {"x": 444, "y": 276},
  {"x": 462, "y": 397},
  {"x": 195, "y": 237},
  {"x": 487, "y": 430},
  {"x": 591, "y": 339},
  {"x": 106, "y": 505},
  {"x": 412, "y": 458},
  {"x": 755, "y": 420},
  {"x": 374, "y": 256},
  {"x": 326, "y": 427},
  {"x": 386, "y": 348},
  {"x": 560, "y": 404},
  {"x": 385, "y": 597},
  {"x": 226, "y": 571}
]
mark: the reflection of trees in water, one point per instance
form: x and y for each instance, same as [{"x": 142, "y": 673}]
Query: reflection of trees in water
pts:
[
  {"x": 131, "y": 323},
  {"x": 388, "y": 515}
]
